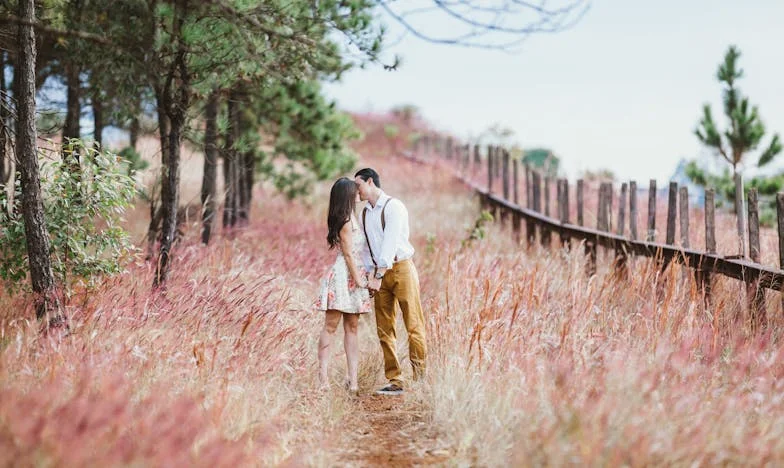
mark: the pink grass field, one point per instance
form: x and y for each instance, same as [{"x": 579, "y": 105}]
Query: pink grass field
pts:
[{"x": 530, "y": 362}]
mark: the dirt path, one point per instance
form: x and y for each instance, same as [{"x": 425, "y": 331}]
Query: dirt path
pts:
[{"x": 390, "y": 433}]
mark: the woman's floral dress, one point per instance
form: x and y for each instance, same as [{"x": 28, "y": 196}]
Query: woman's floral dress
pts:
[{"x": 338, "y": 289}]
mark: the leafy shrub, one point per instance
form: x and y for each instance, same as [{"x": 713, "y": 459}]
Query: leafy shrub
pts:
[{"x": 83, "y": 204}]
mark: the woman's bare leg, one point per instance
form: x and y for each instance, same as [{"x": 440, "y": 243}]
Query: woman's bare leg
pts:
[
  {"x": 331, "y": 320},
  {"x": 351, "y": 343}
]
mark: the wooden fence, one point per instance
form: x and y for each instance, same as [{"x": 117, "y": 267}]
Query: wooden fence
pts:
[{"x": 500, "y": 192}]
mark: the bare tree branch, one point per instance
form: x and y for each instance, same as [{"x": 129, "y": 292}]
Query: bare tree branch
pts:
[{"x": 498, "y": 24}]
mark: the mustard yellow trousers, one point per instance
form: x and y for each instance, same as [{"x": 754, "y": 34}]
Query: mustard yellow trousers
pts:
[{"x": 401, "y": 285}]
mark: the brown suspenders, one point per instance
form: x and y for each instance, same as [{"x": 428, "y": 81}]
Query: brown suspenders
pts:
[{"x": 383, "y": 227}]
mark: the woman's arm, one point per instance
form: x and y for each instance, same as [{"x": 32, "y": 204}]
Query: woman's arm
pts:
[{"x": 345, "y": 246}]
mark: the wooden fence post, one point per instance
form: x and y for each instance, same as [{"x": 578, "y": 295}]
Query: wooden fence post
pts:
[
  {"x": 580, "y": 189},
  {"x": 633, "y": 210},
  {"x": 516, "y": 214},
  {"x": 563, "y": 209},
  {"x": 683, "y": 205},
  {"x": 684, "y": 212},
  {"x": 620, "y": 230},
  {"x": 652, "y": 211},
  {"x": 704, "y": 278},
  {"x": 672, "y": 214},
  {"x": 515, "y": 182},
  {"x": 621, "y": 256},
  {"x": 530, "y": 227},
  {"x": 489, "y": 169},
  {"x": 547, "y": 195},
  {"x": 780, "y": 218},
  {"x": 755, "y": 294},
  {"x": 602, "y": 220},
  {"x": 503, "y": 158},
  {"x": 603, "y": 211},
  {"x": 498, "y": 166},
  {"x": 537, "y": 191},
  {"x": 589, "y": 245},
  {"x": 546, "y": 233},
  {"x": 608, "y": 195},
  {"x": 536, "y": 195},
  {"x": 505, "y": 173},
  {"x": 672, "y": 207}
]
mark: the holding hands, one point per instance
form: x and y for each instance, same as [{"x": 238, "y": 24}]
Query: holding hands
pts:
[{"x": 374, "y": 283}]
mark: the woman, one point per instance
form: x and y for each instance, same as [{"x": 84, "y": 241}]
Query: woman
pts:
[{"x": 344, "y": 290}]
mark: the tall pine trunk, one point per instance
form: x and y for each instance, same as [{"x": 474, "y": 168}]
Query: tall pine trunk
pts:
[
  {"x": 230, "y": 166},
  {"x": 227, "y": 183},
  {"x": 170, "y": 183},
  {"x": 176, "y": 99},
  {"x": 242, "y": 213},
  {"x": 250, "y": 172},
  {"x": 98, "y": 118},
  {"x": 73, "y": 109},
  {"x": 246, "y": 182},
  {"x": 36, "y": 235},
  {"x": 3, "y": 122},
  {"x": 135, "y": 127},
  {"x": 156, "y": 213},
  {"x": 210, "y": 165}
]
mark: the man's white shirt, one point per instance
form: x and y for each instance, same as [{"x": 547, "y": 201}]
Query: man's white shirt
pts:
[{"x": 391, "y": 242}]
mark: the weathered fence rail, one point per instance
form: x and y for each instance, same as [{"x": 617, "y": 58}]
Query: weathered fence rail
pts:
[
  {"x": 740, "y": 269},
  {"x": 502, "y": 197}
]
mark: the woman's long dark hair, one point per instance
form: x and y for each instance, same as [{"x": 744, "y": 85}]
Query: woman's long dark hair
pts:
[{"x": 342, "y": 201}]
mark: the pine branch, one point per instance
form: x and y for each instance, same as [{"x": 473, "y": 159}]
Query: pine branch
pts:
[
  {"x": 13, "y": 19},
  {"x": 773, "y": 150}
]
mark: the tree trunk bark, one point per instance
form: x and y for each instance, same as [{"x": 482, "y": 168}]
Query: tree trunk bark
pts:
[
  {"x": 210, "y": 165},
  {"x": 37, "y": 238},
  {"x": 230, "y": 166},
  {"x": 245, "y": 169},
  {"x": 152, "y": 230},
  {"x": 155, "y": 210},
  {"x": 176, "y": 99},
  {"x": 135, "y": 127},
  {"x": 170, "y": 182},
  {"x": 3, "y": 122},
  {"x": 242, "y": 203},
  {"x": 227, "y": 201},
  {"x": 98, "y": 118},
  {"x": 73, "y": 109},
  {"x": 250, "y": 172}
]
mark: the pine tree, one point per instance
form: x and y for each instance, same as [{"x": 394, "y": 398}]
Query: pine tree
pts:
[{"x": 746, "y": 130}]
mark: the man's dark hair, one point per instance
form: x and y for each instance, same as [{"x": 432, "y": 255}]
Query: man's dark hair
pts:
[{"x": 368, "y": 173}]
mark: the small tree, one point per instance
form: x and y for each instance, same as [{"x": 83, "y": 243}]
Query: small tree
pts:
[
  {"x": 85, "y": 238},
  {"x": 745, "y": 131}
]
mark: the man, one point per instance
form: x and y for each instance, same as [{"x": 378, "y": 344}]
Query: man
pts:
[{"x": 393, "y": 279}]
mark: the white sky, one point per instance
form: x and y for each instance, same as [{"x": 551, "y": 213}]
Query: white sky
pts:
[{"x": 621, "y": 90}]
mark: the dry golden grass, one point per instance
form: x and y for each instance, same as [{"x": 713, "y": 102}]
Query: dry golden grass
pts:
[{"x": 530, "y": 362}]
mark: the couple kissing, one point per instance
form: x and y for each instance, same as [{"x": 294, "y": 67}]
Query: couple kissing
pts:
[{"x": 374, "y": 264}]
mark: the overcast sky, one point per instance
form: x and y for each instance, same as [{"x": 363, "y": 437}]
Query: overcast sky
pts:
[{"x": 623, "y": 89}]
